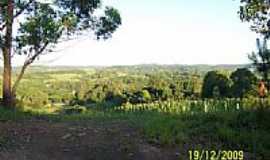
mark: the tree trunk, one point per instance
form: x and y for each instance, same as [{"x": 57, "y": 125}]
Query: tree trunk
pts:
[{"x": 7, "y": 91}]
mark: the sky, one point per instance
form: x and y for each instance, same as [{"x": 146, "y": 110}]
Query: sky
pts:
[{"x": 165, "y": 32}]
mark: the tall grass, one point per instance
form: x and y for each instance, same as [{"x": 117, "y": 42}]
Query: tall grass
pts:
[{"x": 195, "y": 106}]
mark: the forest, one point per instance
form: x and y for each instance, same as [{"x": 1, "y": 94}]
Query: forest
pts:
[
  {"x": 114, "y": 86},
  {"x": 148, "y": 111}
]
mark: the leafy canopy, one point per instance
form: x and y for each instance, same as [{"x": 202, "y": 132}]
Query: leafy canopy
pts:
[
  {"x": 243, "y": 82},
  {"x": 256, "y": 12},
  {"x": 261, "y": 58},
  {"x": 43, "y": 23},
  {"x": 215, "y": 85}
]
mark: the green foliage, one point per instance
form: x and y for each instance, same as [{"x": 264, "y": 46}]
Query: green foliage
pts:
[
  {"x": 39, "y": 29},
  {"x": 165, "y": 130},
  {"x": 109, "y": 23},
  {"x": 145, "y": 96},
  {"x": 231, "y": 130},
  {"x": 195, "y": 106},
  {"x": 261, "y": 60},
  {"x": 243, "y": 82},
  {"x": 114, "y": 87},
  {"x": 46, "y": 23},
  {"x": 215, "y": 84},
  {"x": 42, "y": 24},
  {"x": 18, "y": 114},
  {"x": 256, "y": 12},
  {"x": 97, "y": 94}
]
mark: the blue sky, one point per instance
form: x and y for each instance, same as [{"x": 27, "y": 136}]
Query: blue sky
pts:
[{"x": 166, "y": 32}]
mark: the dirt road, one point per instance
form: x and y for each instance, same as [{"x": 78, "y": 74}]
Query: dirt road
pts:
[{"x": 43, "y": 140}]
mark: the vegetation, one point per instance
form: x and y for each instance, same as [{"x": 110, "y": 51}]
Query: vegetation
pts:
[
  {"x": 261, "y": 61},
  {"x": 166, "y": 105},
  {"x": 215, "y": 85},
  {"x": 256, "y": 12},
  {"x": 116, "y": 86},
  {"x": 42, "y": 25},
  {"x": 171, "y": 106},
  {"x": 240, "y": 89}
]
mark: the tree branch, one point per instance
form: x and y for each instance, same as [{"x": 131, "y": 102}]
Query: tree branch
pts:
[
  {"x": 27, "y": 62},
  {"x": 3, "y": 27},
  {"x": 23, "y": 8},
  {"x": 18, "y": 13}
]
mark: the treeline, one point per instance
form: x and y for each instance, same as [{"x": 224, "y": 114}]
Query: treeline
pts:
[
  {"x": 119, "y": 85},
  {"x": 118, "y": 88},
  {"x": 241, "y": 83},
  {"x": 113, "y": 85}
]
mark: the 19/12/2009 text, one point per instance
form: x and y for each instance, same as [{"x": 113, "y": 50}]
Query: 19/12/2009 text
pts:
[{"x": 215, "y": 155}]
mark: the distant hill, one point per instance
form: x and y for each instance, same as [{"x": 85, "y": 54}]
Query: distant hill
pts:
[{"x": 200, "y": 68}]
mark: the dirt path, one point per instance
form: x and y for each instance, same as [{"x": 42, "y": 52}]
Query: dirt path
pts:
[{"x": 77, "y": 141}]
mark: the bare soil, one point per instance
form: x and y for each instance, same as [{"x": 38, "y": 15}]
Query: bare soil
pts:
[{"x": 87, "y": 140}]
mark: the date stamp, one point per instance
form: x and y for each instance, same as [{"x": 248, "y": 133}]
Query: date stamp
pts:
[{"x": 216, "y": 155}]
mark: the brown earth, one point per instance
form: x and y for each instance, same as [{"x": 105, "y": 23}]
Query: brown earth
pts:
[{"x": 88, "y": 140}]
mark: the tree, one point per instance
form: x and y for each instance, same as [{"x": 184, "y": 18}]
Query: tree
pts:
[
  {"x": 42, "y": 24},
  {"x": 261, "y": 60},
  {"x": 243, "y": 82},
  {"x": 256, "y": 12},
  {"x": 215, "y": 84}
]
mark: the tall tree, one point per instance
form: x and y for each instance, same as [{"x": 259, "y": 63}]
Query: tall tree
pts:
[
  {"x": 42, "y": 23},
  {"x": 257, "y": 13},
  {"x": 243, "y": 82},
  {"x": 215, "y": 84},
  {"x": 261, "y": 60}
]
